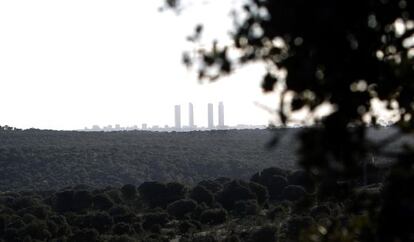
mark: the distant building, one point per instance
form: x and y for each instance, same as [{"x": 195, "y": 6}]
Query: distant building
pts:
[
  {"x": 221, "y": 115},
  {"x": 117, "y": 126},
  {"x": 177, "y": 117},
  {"x": 190, "y": 116},
  {"x": 144, "y": 126},
  {"x": 210, "y": 116}
]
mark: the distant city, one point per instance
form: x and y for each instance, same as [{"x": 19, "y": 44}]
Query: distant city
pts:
[{"x": 178, "y": 127}]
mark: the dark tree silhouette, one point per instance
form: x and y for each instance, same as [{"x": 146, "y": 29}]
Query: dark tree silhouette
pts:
[{"x": 346, "y": 53}]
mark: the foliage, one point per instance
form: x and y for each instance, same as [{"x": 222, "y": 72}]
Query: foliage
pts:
[{"x": 43, "y": 160}]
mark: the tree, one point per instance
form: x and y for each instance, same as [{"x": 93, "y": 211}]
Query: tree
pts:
[
  {"x": 348, "y": 54},
  {"x": 343, "y": 53}
]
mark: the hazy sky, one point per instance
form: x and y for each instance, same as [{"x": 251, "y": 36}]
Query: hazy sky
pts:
[{"x": 71, "y": 64}]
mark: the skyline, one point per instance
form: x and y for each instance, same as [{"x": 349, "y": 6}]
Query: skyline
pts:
[{"x": 178, "y": 125}]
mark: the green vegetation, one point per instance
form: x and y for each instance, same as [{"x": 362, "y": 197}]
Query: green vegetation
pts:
[
  {"x": 44, "y": 160},
  {"x": 213, "y": 210}
]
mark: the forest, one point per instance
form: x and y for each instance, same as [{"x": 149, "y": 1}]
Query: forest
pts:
[
  {"x": 44, "y": 160},
  {"x": 273, "y": 205},
  {"x": 181, "y": 186}
]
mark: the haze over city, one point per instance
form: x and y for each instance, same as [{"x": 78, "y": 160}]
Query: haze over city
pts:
[{"x": 70, "y": 65}]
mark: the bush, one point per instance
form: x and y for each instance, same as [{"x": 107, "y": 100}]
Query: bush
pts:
[
  {"x": 82, "y": 200},
  {"x": 212, "y": 186},
  {"x": 129, "y": 191},
  {"x": 122, "y": 228},
  {"x": 101, "y": 221},
  {"x": 11, "y": 235},
  {"x": 264, "y": 234},
  {"x": 278, "y": 212},
  {"x": 262, "y": 176},
  {"x": 333, "y": 190},
  {"x": 63, "y": 227},
  {"x": 202, "y": 195},
  {"x": 64, "y": 201},
  {"x": 85, "y": 235},
  {"x": 102, "y": 202},
  {"x": 260, "y": 191},
  {"x": 37, "y": 230},
  {"x": 302, "y": 178},
  {"x": 213, "y": 216},
  {"x": 293, "y": 193},
  {"x": 152, "y": 219},
  {"x": 186, "y": 227},
  {"x": 249, "y": 207},
  {"x": 233, "y": 192},
  {"x": 159, "y": 195},
  {"x": 181, "y": 207},
  {"x": 121, "y": 238},
  {"x": 320, "y": 211},
  {"x": 296, "y": 224}
]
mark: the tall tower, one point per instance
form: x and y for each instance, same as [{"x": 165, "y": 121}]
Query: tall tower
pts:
[
  {"x": 190, "y": 116},
  {"x": 210, "y": 116},
  {"x": 221, "y": 115},
  {"x": 177, "y": 117}
]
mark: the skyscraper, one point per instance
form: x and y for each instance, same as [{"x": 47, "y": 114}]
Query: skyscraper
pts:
[
  {"x": 210, "y": 116},
  {"x": 221, "y": 115},
  {"x": 190, "y": 116},
  {"x": 177, "y": 117}
]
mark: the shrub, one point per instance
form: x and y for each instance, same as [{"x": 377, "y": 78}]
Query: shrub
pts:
[
  {"x": 213, "y": 216},
  {"x": 333, "y": 190},
  {"x": 233, "y": 192},
  {"x": 159, "y": 195},
  {"x": 37, "y": 230},
  {"x": 82, "y": 200},
  {"x": 181, "y": 207},
  {"x": 102, "y": 202},
  {"x": 2, "y": 224},
  {"x": 264, "y": 234},
  {"x": 260, "y": 191},
  {"x": 278, "y": 212},
  {"x": 296, "y": 224},
  {"x": 85, "y": 235},
  {"x": 320, "y": 211},
  {"x": 11, "y": 235},
  {"x": 152, "y": 219},
  {"x": 202, "y": 195},
  {"x": 129, "y": 191},
  {"x": 232, "y": 238},
  {"x": 264, "y": 175},
  {"x": 152, "y": 193},
  {"x": 64, "y": 201},
  {"x": 121, "y": 238},
  {"x": 248, "y": 207},
  {"x": 212, "y": 186},
  {"x": 63, "y": 227},
  {"x": 24, "y": 202},
  {"x": 101, "y": 221},
  {"x": 137, "y": 227},
  {"x": 186, "y": 227},
  {"x": 293, "y": 193},
  {"x": 122, "y": 228},
  {"x": 175, "y": 191},
  {"x": 302, "y": 178}
]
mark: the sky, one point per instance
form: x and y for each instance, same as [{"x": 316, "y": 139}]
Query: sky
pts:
[{"x": 70, "y": 64}]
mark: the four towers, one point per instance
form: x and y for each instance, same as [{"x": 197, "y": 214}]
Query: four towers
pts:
[{"x": 210, "y": 116}]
